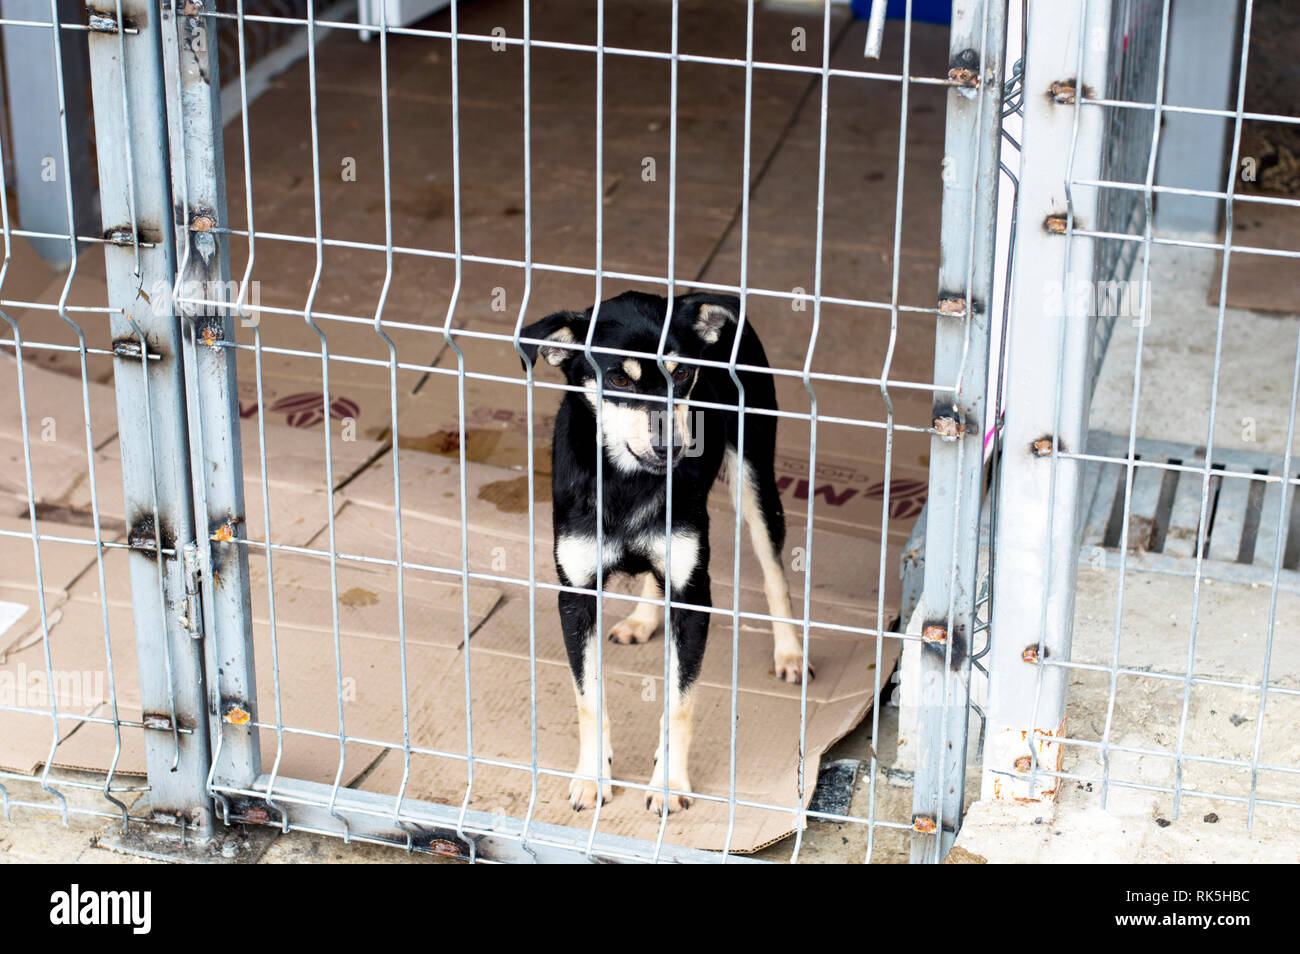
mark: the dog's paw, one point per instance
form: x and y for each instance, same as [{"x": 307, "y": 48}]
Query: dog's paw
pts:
[
  {"x": 789, "y": 668},
  {"x": 631, "y": 631},
  {"x": 582, "y": 794},
  {"x": 654, "y": 801}
]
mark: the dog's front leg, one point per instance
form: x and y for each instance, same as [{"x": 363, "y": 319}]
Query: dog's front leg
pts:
[
  {"x": 685, "y": 655},
  {"x": 578, "y": 620}
]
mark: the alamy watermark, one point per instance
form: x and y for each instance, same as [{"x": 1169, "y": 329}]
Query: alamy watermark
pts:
[
  {"x": 213, "y": 298},
  {"x": 24, "y": 688},
  {"x": 1099, "y": 299}
]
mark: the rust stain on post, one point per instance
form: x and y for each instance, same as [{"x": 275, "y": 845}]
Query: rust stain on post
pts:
[
  {"x": 923, "y": 824},
  {"x": 1062, "y": 92},
  {"x": 961, "y": 76},
  {"x": 952, "y": 307},
  {"x": 934, "y": 634},
  {"x": 949, "y": 427}
]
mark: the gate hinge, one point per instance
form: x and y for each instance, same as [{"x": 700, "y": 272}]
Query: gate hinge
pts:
[{"x": 193, "y": 618}]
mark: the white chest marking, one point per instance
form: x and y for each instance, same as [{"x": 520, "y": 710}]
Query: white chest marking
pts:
[{"x": 576, "y": 555}]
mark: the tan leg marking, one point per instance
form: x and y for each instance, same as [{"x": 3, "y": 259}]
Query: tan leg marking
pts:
[
  {"x": 678, "y": 729},
  {"x": 787, "y": 641},
  {"x": 593, "y": 741},
  {"x": 645, "y": 619}
]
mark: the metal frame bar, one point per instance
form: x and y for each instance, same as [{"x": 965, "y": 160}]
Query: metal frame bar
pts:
[
  {"x": 198, "y": 175},
  {"x": 131, "y": 129},
  {"x": 1040, "y": 492},
  {"x": 467, "y": 834},
  {"x": 966, "y": 279}
]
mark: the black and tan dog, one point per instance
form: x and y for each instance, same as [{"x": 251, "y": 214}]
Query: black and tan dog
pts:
[{"x": 637, "y": 436}]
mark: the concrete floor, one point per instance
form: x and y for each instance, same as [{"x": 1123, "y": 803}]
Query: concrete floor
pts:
[{"x": 1178, "y": 344}]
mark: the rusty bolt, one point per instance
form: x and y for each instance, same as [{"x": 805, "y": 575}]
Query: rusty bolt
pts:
[
  {"x": 934, "y": 634},
  {"x": 1062, "y": 92},
  {"x": 952, "y": 307},
  {"x": 1024, "y": 763},
  {"x": 1056, "y": 224},
  {"x": 1042, "y": 447},
  {"x": 923, "y": 824},
  {"x": 1030, "y": 655},
  {"x": 441, "y": 846},
  {"x": 203, "y": 223},
  {"x": 236, "y": 715},
  {"x": 960, "y": 76},
  {"x": 949, "y": 428}
]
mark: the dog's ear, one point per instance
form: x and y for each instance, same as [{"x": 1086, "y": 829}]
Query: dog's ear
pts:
[
  {"x": 567, "y": 327},
  {"x": 708, "y": 315}
]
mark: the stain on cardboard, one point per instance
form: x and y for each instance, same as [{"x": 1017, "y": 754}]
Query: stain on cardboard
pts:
[
  {"x": 511, "y": 496},
  {"x": 479, "y": 443},
  {"x": 75, "y": 516},
  {"x": 357, "y": 597}
]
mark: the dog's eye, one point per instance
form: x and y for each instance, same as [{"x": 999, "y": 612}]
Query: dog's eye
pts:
[
  {"x": 618, "y": 379},
  {"x": 681, "y": 374}
]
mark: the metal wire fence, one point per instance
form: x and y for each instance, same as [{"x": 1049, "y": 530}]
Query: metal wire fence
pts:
[
  {"x": 374, "y": 578},
  {"x": 1058, "y": 480}
]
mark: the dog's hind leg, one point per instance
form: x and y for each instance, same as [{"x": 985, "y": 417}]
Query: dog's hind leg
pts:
[
  {"x": 645, "y": 619},
  {"x": 760, "y": 502},
  {"x": 578, "y": 620}
]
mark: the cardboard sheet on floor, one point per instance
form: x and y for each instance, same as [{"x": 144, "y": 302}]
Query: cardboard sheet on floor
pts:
[
  {"x": 1262, "y": 282},
  {"x": 62, "y": 562},
  {"x": 56, "y": 427},
  {"x": 843, "y": 595},
  {"x": 363, "y": 678}
]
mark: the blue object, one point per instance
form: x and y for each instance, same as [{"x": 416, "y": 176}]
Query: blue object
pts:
[{"x": 923, "y": 11}]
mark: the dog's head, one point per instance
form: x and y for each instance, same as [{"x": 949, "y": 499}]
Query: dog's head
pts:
[{"x": 634, "y": 412}]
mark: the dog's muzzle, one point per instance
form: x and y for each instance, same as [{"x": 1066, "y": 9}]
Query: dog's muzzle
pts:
[{"x": 658, "y": 463}]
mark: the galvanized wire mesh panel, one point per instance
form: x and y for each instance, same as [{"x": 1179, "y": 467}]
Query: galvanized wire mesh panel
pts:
[
  {"x": 328, "y": 651},
  {"x": 1188, "y": 506},
  {"x": 71, "y": 684},
  {"x": 1135, "y": 45}
]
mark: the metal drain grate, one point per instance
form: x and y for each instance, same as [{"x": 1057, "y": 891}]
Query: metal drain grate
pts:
[{"x": 1241, "y": 542}]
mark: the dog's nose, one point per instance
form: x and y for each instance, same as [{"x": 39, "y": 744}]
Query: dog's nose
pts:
[{"x": 660, "y": 446}]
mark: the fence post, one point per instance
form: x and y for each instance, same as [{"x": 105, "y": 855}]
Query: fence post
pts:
[
  {"x": 204, "y": 295},
  {"x": 1050, "y": 344},
  {"x": 972, "y": 142},
  {"x": 136, "y": 204}
]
